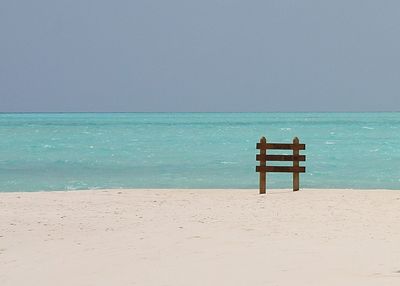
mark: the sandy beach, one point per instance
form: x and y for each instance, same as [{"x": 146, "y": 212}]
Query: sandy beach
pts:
[{"x": 200, "y": 237}]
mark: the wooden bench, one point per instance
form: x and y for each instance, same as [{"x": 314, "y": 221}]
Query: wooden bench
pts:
[{"x": 296, "y": 158}]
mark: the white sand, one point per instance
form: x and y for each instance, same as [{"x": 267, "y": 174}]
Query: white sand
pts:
[{"x": 200, "y": 237}]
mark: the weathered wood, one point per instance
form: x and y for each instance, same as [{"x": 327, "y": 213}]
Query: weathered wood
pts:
[
  {"x": 296, "y": 158},
  {"x": 283, "y": 169},
  {"x": 263, "y": 163},
  {"x": 296, "y": 183},
  {"x": 281, "y": 157},
  {"x": 280, "y": 146}
]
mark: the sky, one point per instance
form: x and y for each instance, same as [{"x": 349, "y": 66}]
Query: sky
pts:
[{"x": 202, "y": 56}]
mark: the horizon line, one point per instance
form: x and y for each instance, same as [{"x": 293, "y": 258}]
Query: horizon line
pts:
[{"x": 72, "y": 112}]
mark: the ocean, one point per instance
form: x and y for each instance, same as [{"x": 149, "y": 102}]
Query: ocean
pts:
[{"x": 69, "y": 151}]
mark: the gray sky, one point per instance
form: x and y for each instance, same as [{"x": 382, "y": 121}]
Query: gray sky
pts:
[{"x": 220, "y": 55}]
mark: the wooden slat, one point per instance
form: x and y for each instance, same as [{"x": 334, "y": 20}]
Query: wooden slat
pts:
[
  {"x": 260, "y": 157},
  {"x": 283, "y": 169},
  {"x": 281, "y": 146}
]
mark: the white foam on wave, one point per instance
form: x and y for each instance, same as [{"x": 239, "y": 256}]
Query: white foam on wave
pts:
[{"x": 369, "y": 128}]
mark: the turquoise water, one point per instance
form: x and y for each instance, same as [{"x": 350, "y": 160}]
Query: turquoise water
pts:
[{"x": 193, "y": 150}]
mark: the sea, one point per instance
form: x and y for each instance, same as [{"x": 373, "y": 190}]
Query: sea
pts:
[{"x": 78, "y": 151}]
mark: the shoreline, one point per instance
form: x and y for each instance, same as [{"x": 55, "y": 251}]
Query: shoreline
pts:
[
  {"x": 196, "y": 189},
  {"x": 200, "y": 237}
]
